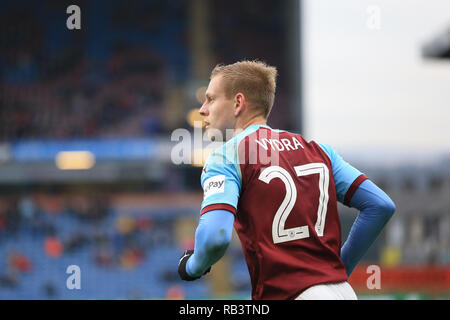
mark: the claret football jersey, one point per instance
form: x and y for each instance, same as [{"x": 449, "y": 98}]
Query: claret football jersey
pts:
[{"x": 283, "y": 191}]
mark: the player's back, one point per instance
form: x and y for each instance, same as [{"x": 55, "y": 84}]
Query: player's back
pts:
[{"x": 287, "y": 217}]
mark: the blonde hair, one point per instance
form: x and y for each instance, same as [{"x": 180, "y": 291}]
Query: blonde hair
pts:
[{"x": 254, "y": 79}]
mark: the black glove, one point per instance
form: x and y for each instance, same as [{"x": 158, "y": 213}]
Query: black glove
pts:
[{"x": 182, "y": 267}]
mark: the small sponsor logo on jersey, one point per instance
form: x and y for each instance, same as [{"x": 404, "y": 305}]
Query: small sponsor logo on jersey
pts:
[{"x": 214, "y": 185}]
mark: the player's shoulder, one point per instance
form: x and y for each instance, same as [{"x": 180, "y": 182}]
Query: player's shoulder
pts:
[{"x": 327, "y": 148}]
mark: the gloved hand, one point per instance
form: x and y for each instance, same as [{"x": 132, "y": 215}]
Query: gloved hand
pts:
[{"x": 182, "y": 266}]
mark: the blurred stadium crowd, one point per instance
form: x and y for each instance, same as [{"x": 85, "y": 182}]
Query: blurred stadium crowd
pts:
[
  {"x": 127, "y": 73},
  {"x": 56, "y": 83},
  {"x": 114, "y": 76}
]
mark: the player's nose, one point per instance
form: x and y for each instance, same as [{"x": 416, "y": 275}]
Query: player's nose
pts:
[{"x": 203, "y": 110}]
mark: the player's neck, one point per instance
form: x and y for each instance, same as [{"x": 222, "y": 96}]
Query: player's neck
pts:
[{"x": 241, "y": 126}]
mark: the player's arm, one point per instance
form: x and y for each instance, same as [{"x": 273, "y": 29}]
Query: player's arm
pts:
[
  {"x": 355, "y": 190},
  {"x": 212, "y": 237},
  {"x": 376, "y": 208},
  {"x": 221, "y": 185}
]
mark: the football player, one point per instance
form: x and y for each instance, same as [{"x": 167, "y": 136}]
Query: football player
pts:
[{"x": 280, "y": 193}]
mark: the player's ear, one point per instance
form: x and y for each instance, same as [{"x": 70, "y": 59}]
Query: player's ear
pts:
[{"x": 239, "y": 104}]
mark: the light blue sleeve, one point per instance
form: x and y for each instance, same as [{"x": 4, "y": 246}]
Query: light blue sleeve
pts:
[
  {"x": 376, "y": 208},
  {"x": 344, "y": 174},
  {"x": 212, "y": 237},
  {"x": 221, "y": 181}
]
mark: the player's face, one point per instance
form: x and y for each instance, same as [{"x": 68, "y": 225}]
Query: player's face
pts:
[{"x": 217, "y": 109}]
